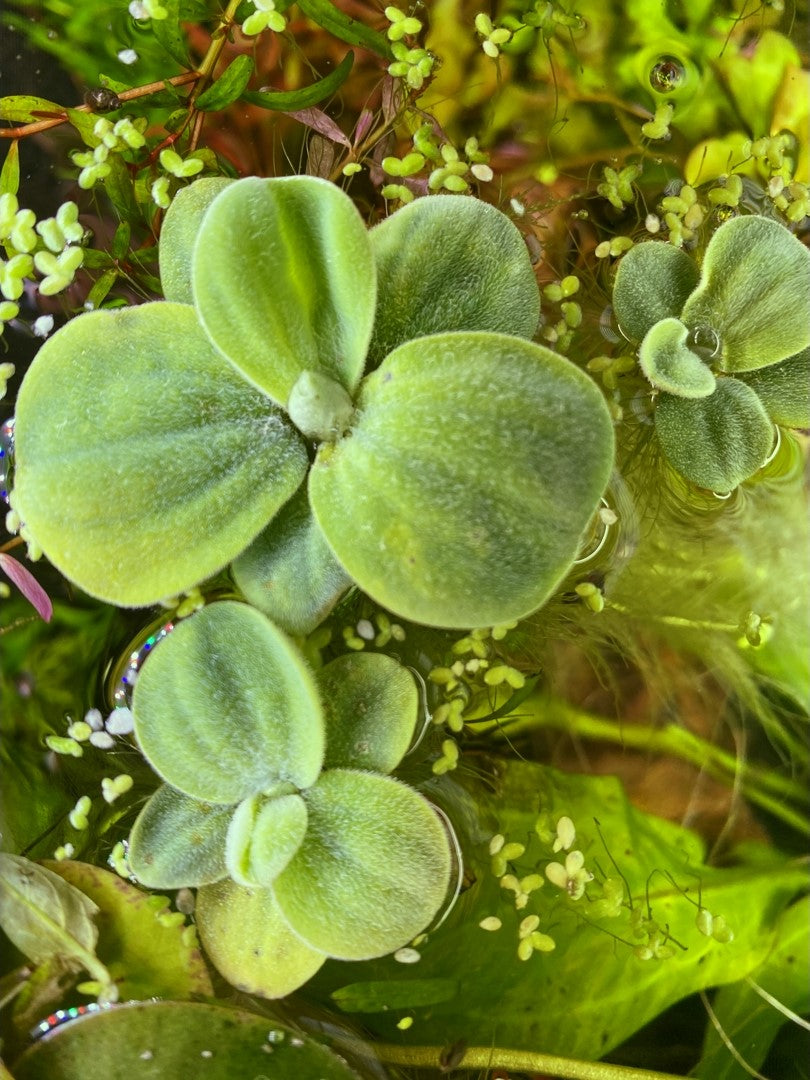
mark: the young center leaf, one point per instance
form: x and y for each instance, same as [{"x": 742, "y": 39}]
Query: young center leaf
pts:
[
  {"x": 670, "y": 364},
  {"x": 471, "y": 472},
  {"x": 263, "y": 836},
  {"x": 144, "y": 464},
  {"x": 284, "y": 281},
  {"x": 373, "y": 869},
  {"x": 226, "y": 707}
]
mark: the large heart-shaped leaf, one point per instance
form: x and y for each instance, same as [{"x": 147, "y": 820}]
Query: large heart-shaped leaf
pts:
[
  {"x": 373, "y": 869},
  {"x": 652, "y": 283},
  {"x": 784, "y": 390},
  {"x": 284, "y": 281},
  {"x": 249, "y": 942},
  {"x": 263, "y": 836},
  {"x": 447, "y": 263},
  {"x": 225, "y": 707},
  {"x": 178, "y": 841},
  {"x": 718, "y": 441},
  {"x": 289, "y": 571},
  {"x": 370, "y": 703},
  {"x": 670, "y": 364},
  {"x": 144, "y": 463},
  {"x": 179, "y": 234},
  {"x": 754, "y": 293},
  {"x": 473, "y": 468}
]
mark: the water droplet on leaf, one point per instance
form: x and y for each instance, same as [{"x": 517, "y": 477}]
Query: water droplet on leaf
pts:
[{"x": 667, "y": 74}]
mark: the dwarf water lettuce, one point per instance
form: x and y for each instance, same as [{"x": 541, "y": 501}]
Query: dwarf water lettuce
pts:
[
  {"x": 277, "y": 786},
  {"x": 725, "y": 346},
  {"x": 442, "y": 461}
]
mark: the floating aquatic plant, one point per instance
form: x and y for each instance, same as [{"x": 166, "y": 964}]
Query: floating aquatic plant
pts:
[
  {"x": 725, "y": 346},
  {"x": 278, "y": 787},
  {"x": 443, "y": 462}
]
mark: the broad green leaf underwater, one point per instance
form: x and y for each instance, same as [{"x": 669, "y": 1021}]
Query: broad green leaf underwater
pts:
[{"x": 453, "y": 483}]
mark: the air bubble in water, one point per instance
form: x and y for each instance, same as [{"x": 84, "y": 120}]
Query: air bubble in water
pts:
[
  {"x": 6, "y": 456},
  {"x": 667, "y": 75},
  {"x": 705, "y": 341}
]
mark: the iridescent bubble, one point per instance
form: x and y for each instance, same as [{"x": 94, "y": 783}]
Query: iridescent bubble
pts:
[
  {"x": 6, "y": 456},
  {"x": 667, "y": 74},
  {"x": 124, "y": 674}
]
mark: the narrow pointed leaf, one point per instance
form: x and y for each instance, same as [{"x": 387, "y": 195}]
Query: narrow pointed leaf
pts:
[
  {"x": 27, "y": 584},
  {"x": 784, "y": 390},
  {"x": 754, "y": 293},
  {"x": 671, "y": 365},
  {"x": 373, "y": 870},
  {"x": 263, "y": 836},
  {"x": 371, "y": 704},
  {"x": 306, "y": 96},
  {"x": 144, "y": 463},
  {"x": 652, "y": 283},
  {"x": 178, "y": 841},
  {"x": 225, "y": 707},
  {"x": 250, "y": 943},
  {"x": 179, "y": 234},
  {"x": 449, "y": 263},
  {"x": 337, "y": 22},
  {"x": 472, "y": 471},
  {"x": 284, "y": 281},
  {"x": 167, "y": 31},
  {"x": 228, "y": 87},
  {"x": 289, "y": 571},
  {"x": 716, "y": 442}
]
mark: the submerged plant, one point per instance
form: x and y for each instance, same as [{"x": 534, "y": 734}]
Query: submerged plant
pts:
[
  {"x": 286, "y": 795},
  {"x": 452, "y": 482},
  {"x": 726, "y": 346}
]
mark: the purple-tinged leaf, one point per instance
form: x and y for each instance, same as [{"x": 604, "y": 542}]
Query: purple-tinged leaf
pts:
[
  {"x": 27, "y": 584},
  {"x": 320, "y": 122}
]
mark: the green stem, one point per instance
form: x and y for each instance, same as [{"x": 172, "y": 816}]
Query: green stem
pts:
[
  {"x": 762, "y": 788},
  {"x": 488, "y": 1057},
  {"x": 209, "y": 61}
]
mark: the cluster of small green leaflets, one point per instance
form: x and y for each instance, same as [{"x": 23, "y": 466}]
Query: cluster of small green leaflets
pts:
[
  {"x": 278, "y": 801},
  {"x": 727, "y": 347},
  {"x": 452, "y": 483}
]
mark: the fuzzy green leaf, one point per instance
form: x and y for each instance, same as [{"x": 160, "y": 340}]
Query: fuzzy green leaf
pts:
[
  {"x": 652, "y": 283},
  {"x": 160, "y": 1039},
  {"x": 152, "y": 957},
  {"x": 179, "y": 234},
  {"x": 284, "y": 281},
  {"x": 45, "y": 916},
  {"x": 371, "y": 705},
  {"x": 144, "y": 463},
  {"x": 784, "y": 390},
  {"x": 373, "y": 870},
  {"x": 449, "y": 263},
  {"x": 472, "y": 471},
  {"x": 671, "y": 365},
  {"x": 225, "y": 707},
  {"x": 263, "y": 837},
  {"x": 228, "y": 87},
  {"x": 289, "y": 571},
  {"x": 716, "y": 442},
  {"x": 754, "y": 293},
  {"x": 178, "y": 841},
  {"x": 249, "y": 942}
]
